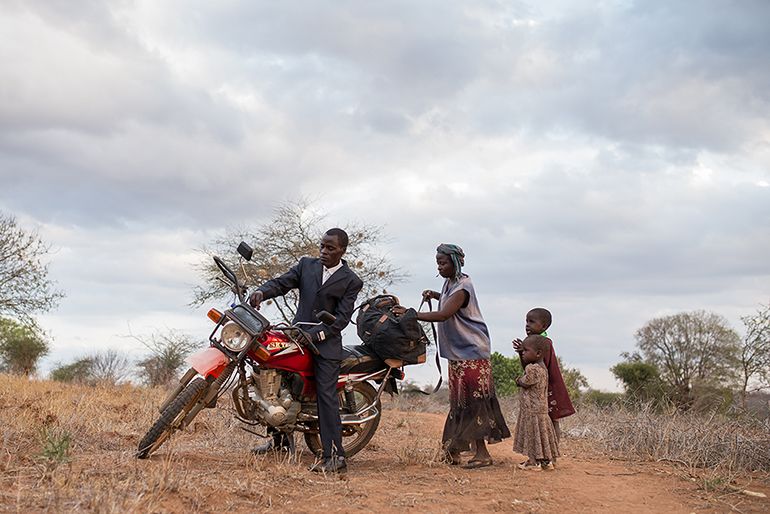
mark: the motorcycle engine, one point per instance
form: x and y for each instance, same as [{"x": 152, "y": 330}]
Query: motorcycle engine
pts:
[{"x": 274, "y": 403}]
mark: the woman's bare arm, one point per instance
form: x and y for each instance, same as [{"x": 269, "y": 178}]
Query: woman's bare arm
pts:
[{"x": 448, "y": 309}]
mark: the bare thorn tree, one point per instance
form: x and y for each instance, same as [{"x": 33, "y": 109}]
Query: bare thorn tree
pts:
[
  {"x": 690, "y": 348},
  {"x": 24, "y": 284},
  {"x": 167, "y": 355},
  {"x": 294, "y": 231},
  {"x": 755, "y": 353},
  {"x": 110, "y": 367}
]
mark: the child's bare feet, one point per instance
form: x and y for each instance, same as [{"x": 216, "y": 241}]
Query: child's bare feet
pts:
[{"x": 529, "y": 466}]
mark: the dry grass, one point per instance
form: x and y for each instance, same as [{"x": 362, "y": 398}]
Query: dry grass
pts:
[
  {"x": 701, "y": 441},
  {"x": 70, "y": 448}
]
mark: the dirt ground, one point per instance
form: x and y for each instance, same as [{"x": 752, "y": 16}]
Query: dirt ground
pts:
[
  {"x": 209, "y": 468},
  {"x": 395, "y": 474}
]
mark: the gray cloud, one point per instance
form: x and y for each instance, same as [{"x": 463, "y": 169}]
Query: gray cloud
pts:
[{"x": 591, "y": 157}]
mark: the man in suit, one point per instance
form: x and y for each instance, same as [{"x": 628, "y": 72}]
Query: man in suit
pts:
[{"x": 325, "y": 284}]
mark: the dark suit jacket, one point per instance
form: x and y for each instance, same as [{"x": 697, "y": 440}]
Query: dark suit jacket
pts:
[{"x": 337, "y": 296}]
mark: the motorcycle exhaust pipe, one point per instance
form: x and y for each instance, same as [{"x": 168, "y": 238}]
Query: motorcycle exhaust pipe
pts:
[
  {"x": 357, "y": 420},
  {"x": 347, "y": 419}
]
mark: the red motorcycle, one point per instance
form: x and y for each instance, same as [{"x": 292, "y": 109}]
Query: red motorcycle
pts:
[{"x": 269, "y": 369}]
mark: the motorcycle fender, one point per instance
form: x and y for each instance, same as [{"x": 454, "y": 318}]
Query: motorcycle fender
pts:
[{"x": 208, "y": 362}]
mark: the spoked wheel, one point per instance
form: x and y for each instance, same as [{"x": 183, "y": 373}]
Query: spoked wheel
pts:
[
  {"x": 354, "y": 437},
  {"x": 172, "y": 417}
]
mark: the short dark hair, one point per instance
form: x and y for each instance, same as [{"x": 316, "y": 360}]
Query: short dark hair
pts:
[
  {"x": 538, "y": 343},
  {"x": 341, "y": 235},
  {"x": 543, "y": 315}
]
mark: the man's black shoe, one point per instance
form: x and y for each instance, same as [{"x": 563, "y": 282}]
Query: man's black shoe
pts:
[
  {"x": 331, "y": 465},
  {"x": 269, "y": 446}
]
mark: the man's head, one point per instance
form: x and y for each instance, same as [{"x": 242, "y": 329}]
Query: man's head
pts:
[
  {"x": 333, "y": 246},
  {"x": 538, "y": 320}
]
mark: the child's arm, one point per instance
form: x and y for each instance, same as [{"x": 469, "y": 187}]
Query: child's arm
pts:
[
  {"x": 517, "y": 346},
  {"x": 527, "y": 380},
  {"x": 521, "y": 383}
]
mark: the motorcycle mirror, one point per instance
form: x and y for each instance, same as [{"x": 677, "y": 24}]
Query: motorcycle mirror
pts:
[
  {"x": 326, "y": 318},
  {"x": 245, "y": 251},
  {"x": 226, "y": 271}
]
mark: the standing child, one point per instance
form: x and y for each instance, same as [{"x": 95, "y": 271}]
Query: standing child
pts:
[
  {"x": 535, "y": 436},
  {"x": 559, "y": 405}
]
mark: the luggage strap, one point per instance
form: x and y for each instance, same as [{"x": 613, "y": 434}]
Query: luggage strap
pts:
[{"x": 435, "y": 338}]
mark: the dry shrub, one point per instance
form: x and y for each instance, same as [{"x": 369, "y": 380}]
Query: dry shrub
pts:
[
  {"x": 695, "y": 440},
  {"x": 419, "y": 448}
]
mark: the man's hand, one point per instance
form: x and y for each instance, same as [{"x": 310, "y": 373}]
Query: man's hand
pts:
[
  {"x": 517, "y": 345},
  {"x": 256, "y": 298},
  {"x": 399, "y": 310}
]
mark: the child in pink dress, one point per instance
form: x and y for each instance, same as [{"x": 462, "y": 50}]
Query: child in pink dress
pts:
[{"x": 535, "y": 436}]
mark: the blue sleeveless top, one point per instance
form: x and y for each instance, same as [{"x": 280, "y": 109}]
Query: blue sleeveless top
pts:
[{"x": 464, "y": 336}]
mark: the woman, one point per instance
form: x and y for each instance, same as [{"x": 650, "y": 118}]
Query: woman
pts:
[{"x": 474, "y": 413}]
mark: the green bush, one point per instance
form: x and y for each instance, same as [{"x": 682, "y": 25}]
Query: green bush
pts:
[
  {"x": 601, "y": 398},
  {"x": 641, "y": 381},
  {"x": 505, "y": 371},
  {"x": 76, "y": 372}
]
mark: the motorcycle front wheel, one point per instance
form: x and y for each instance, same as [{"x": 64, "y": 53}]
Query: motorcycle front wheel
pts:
[
  {"x": 171, "y": 417},
  {"x": 354, "y": 438}
]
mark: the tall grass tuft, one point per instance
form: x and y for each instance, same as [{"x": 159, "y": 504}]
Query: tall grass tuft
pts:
[{"x": 56, "y": 443}]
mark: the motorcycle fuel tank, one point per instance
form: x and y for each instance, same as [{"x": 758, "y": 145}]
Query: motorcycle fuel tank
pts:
[{"x": 286, "y": 354}]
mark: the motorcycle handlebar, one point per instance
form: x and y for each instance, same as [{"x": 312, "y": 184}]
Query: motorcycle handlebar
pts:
[{"x": 305, "y": 339}]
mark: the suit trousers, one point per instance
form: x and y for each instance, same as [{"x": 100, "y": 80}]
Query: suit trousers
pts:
[{"x": 327, "y": 372}]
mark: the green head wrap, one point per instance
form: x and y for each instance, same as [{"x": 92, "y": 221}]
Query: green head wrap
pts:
[{"x": 457, "y": 256}]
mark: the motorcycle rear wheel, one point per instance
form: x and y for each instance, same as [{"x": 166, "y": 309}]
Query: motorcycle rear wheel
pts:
[
  {"x": 171, "y": 417},
  {"x": 362, "y": 434}
]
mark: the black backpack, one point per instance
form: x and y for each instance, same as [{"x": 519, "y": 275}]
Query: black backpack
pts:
[{"x": 388, "y": 335}]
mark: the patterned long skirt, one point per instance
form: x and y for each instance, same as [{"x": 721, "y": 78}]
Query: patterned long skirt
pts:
[{"x": 474, "y": 412}]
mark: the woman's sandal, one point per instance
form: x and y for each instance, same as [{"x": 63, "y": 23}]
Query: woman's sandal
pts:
[{"x": 478, "y": 463}]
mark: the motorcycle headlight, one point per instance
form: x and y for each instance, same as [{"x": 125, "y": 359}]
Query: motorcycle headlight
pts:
[{"x": 234, "y": 337}]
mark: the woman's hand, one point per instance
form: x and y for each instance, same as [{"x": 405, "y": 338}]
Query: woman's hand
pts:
[{"x": 430, "y": 295}]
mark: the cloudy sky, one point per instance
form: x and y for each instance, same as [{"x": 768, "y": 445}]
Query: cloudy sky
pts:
[{"x": 609, "y": 160}]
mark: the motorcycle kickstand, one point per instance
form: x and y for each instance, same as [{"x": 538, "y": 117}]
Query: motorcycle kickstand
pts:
[{"x": 293, "y": 456}]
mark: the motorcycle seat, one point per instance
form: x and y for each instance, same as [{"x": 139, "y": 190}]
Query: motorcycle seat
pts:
[{"x": 360, "y": 359}]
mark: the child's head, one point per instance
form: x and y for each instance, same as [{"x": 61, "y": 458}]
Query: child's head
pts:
[
  {"x": 533, "y": 348},
  {"x": 538, "y": 321}
]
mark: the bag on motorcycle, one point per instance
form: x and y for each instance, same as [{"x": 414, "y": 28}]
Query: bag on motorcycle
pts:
[{"x": 388, "y": 335}]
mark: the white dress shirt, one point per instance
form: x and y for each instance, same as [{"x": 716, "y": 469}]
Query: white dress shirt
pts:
[{"x": 328, "y": 272}]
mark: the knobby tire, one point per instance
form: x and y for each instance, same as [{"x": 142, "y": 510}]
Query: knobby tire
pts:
[
  {"x": 170, "y": 417},
  {"x": 352, "y": 444}
]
